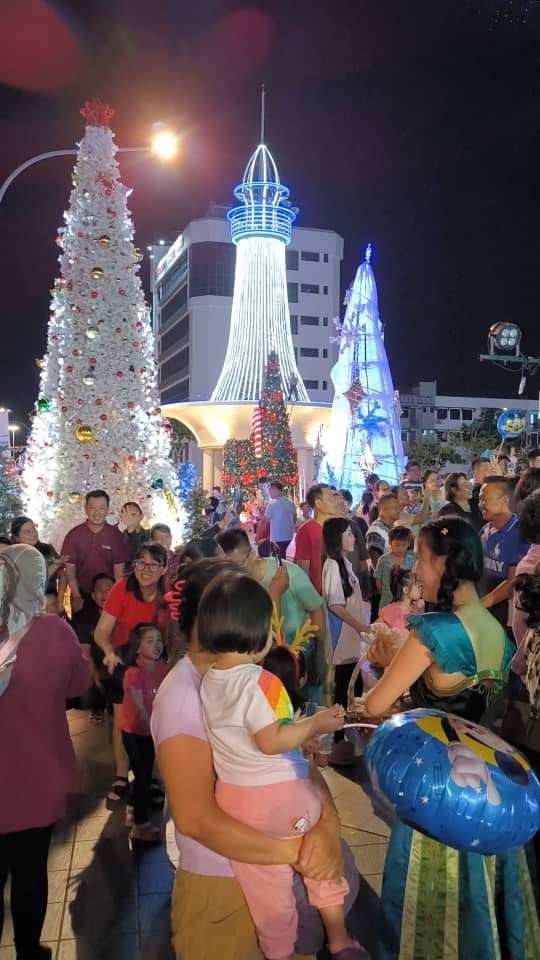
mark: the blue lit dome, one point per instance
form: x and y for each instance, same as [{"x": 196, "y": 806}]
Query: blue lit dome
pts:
[{"x": 265, "y": 210}]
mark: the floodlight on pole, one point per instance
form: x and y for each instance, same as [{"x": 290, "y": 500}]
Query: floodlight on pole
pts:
[{"x": 504, "y": 338}]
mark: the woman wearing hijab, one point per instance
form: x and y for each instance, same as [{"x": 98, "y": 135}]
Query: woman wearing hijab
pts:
[{"x": 41, "y": 665}]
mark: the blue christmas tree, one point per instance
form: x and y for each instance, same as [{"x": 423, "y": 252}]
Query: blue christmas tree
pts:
[{"x": 364, "y": 435}]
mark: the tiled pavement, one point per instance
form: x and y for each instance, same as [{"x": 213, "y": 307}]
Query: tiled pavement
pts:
[{"x": 109, "y": 902}]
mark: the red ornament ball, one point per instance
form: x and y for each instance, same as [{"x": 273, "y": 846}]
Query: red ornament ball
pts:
[
  {"x": 69, "y": 369},
  {"x": 50, "y": 493},
  {"x": 64, "y": 409},
  {"x": 78, "y": 421},
  {"x": 131, "y": 459},
  {"x": 98, "y": 402},
  {"x": 118, "y": 330},
  {"x": 93, "y": 294},
  {"x": 86, "y": 456},
  {"x": 119, "y": 373},
  {"x": 130, "y": 405},
  {"x": 135, "y": 343},
  {"x": 122, "y": 293},
  {"x": 144, "y": 460},
  {"x": 103, "y": 416},
  {"x": 75, "y": 353},
  {"x": 92, "y": 361}
]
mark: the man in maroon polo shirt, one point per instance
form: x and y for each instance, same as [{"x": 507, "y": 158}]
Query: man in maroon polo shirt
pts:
[{"x": 93, "y": 547}]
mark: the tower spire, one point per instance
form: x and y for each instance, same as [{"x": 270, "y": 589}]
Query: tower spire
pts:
[{"x": 263, "y": 96}]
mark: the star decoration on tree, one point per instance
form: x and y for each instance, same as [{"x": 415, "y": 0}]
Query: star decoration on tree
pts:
[
  {"x": 354, "y": 394},
  {"x": 96, "y": 113}
]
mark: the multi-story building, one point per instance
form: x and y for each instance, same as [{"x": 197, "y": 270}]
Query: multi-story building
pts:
[
  {"x": 192, "y": 285},
  {"x": 426, "y": 413}
]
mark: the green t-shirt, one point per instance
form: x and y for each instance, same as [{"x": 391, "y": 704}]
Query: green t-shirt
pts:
[{"x": 298, "y": 601}]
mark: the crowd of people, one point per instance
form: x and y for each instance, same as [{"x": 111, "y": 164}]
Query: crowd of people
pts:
[{"x": 214, "y": 659}]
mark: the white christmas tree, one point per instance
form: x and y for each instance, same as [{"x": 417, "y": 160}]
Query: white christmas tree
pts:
[{"x": 98, "y": 423}]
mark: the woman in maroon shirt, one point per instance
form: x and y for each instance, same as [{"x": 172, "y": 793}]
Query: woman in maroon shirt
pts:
[
  {"x": 135, "y": 599},
  {"x": 41, "y": 666}
]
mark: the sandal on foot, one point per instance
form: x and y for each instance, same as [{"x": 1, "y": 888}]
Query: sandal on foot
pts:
[
  {"x": 146, "y": 833},
  {"x": 351, "y": 953},
  {"x": 119, "y": 789}
]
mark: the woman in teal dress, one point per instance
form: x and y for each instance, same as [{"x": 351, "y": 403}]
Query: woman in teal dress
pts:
[{"x": 439, "y": 903}]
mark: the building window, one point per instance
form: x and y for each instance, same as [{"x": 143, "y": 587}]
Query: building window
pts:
[
  {"x": 466, "y": 414},
  {"x": 455, "y": 414},
  {"x": 309, "y": 351},
  {"x": 291, "y": 259},
  {"x": 442, "y": 414},
  {"x": 174, "y": 278},
  {"x": 292, "y": 292},
  {"x": 325, "y": 385},
  {"x": 174, "y": 306},
  {"x": 176, "y": 366},
  {"x": 325, "y": 321},
  {"x": 325, "y": 353},
  {"x": 405, "y": 436},
  {"x": 309, "y": 288},
  {"x": 310, "y": 255},
  {"x": 325, "y": 290},
  {"x": 294, "y": 323},
  {"x": 325, "y": 257},
  {"x": 295, "y": 353},
  {"x": 311, "y": 384},
  {"x": 174, "y": 335},
  {"x": 309, "y": 321},
  {"x": 405, "y": 413},
  {"x": 211, "y": 269},
  {"x": 180, "y": 391}
]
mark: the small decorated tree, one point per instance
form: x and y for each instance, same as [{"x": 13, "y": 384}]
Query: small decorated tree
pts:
[
  {"x": 194, "y": 504},
  {"x": 239, "y": 464},
  {"x": 10, "y": 492},
  {"x": 279, "y": 456}
]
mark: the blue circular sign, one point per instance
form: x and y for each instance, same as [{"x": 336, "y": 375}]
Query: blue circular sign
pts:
[{"x": 455, "y": 781}]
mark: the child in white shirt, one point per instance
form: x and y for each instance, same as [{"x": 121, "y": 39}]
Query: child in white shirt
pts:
[{"x": 262, "y": 774}]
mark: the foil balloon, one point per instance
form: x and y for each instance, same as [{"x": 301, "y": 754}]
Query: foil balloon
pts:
[
  {"x": 455, "y": 781},
  {"x": 511, "y": 424}
]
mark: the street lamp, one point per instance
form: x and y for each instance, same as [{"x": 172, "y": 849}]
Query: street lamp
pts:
[
  {"x": 13, "y": 427},
  {"x": 164, "y": 144}
]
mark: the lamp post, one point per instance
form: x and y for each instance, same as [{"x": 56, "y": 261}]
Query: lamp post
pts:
[
  {"x": 13, "y": 427},
  {"x": 164, "y": 145}
]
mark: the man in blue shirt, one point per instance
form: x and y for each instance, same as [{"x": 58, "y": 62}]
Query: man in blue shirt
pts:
[
  {"x": 282, "y": 515},
  {"x": 502, "y": 545}
]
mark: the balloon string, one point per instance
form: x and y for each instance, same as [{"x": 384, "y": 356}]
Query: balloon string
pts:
[{"x": 367, "y": 726}]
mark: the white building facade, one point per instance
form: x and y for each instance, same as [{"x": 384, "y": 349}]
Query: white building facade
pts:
[
  {"x": 426, "y": 413},
  {"x": 192, "y": 286}
]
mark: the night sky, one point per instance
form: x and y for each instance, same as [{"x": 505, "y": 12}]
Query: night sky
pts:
[{"x": 415, "y": 125}]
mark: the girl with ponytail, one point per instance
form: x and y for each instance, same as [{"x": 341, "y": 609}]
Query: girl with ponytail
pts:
[{"x": 453, "y": 660}]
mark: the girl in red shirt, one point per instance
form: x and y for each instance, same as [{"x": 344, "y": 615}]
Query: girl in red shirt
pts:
[{"x": 145, "y": 671}]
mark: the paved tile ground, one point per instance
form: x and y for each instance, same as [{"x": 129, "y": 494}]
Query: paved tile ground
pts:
[{"x": 110, "y": 902}]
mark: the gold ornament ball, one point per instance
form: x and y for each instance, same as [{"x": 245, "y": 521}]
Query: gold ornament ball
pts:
[
  {"x": 74, "y": 497},
  {"x": 92, "y": 333},
  {"x": 89, "y": 380},
  {"x": 85, "y": 433},
  {"x": 97, "y": 273},
  {"x": 138, "y": 254},
  {"x": 104, "y": 241}
]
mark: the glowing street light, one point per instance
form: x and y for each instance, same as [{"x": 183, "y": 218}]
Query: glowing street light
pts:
[{"x": 164, "y": 145}]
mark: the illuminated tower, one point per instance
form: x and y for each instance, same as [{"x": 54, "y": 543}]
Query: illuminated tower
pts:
[
  {"x": 364, "y": 434},
  {"x": 261, "y": 227}
]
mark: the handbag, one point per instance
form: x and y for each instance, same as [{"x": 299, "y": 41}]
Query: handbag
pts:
[{"x": 521, "y": 725}]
